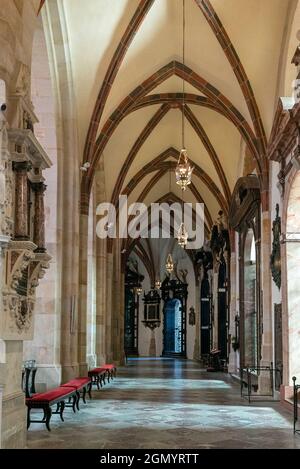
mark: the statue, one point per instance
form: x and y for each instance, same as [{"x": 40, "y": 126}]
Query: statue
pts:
[
  {"x": 192, "y": 316},
  {"x": 275, "y": 259}
]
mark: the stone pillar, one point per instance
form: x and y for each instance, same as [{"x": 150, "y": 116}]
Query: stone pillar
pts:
[
  {"x": 102, "y": 282},
  {"x": 109, "y": 293},
  {"x": 21, "y": 200},
  {"x": 1, "y": 391},
  {"x": 101, "y": 299},
  {"x": 215, "y": 293},
  {"x": 82, "y": 306},
  {"x": 13, "y": 434},
  {"x": 267, "y": 336},
  {"x": 233, "y": 356},
  {"x": 197, "y": 354},
  {"x": 39, "y": 216}
]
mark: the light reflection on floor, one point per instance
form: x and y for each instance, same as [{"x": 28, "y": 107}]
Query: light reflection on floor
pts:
[{"x": 150, "y": 406}]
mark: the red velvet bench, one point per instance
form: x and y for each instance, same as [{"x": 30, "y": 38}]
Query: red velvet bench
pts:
[
  {"x": 97, "y": 376},
  {"x": 83, "y": 385},
  {"x": 111, "y": 371},
  {"x": 46, "y": 400}
]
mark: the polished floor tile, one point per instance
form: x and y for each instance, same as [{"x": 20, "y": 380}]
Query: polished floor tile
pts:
[{"x": 169, "y": 404}]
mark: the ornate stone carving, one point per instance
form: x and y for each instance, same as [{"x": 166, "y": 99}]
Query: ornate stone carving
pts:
[
  {"x": 37, "y": 271},
  {"x": 20, "y": 309},
  {"x": 24, "y": 270},
  {"x": 275, "y": 259}
]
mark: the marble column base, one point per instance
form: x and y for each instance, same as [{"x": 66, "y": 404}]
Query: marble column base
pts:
[{"x": 13, "y": 434}]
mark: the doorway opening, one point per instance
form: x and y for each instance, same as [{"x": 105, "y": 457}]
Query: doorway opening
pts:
[{"x": 173, "y": 328}]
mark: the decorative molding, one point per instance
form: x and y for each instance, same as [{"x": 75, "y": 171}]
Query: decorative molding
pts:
[
  {"x": 24, "y": 146},
  {"x": 245, "y": 198},
  {"x": 24, "y": 269}
]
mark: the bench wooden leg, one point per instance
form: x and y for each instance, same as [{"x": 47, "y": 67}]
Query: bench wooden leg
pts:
[
  {"x": 83, "y": 395},
  {"x": 61, "y": 410},
  {"x": 48, "y": 417},
  {"x": 99, "y": 382},
  {"x": 77, "y": 399},
  {"x": 74, "y": 402},
  {"x": 90, "y": 390},
  {"x": 28, "y": 417}
]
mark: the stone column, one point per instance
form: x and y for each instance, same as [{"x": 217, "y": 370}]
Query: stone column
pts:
[
  {"x": 82, "y": 306},
  {"x": 267, "y": 336},
  {"x": 197, "y": 345},
  {"x": 215, "y": 293},
  {"x": 101, "y": 301},
  {"x": 233, "y": 356},
  {"x": 109, "y": 306},
  {"x": 21, "y": 200},
  {"x": 39, "y": 216},
  {"x": 102, "y": 282}
]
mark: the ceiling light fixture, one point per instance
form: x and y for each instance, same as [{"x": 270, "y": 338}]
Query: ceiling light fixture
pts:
[
  {"x": 169, "y": 264},
  {"x": 182, "y": 235},
  {"x": 183, "y": 171}
]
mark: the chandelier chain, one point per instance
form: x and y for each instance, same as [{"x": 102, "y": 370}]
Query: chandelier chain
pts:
[{"x": 183, "y": 80}]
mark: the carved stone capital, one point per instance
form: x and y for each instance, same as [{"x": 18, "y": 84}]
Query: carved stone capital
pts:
[{"x": 37, "y": 268}]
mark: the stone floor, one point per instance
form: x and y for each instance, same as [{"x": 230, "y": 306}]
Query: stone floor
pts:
[{"x": 169, "y": 404}]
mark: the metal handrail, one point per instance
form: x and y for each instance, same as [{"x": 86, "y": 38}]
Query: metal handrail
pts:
[
  {"x": 296, "y": 388},
  {"x": 248, "y": 383}
]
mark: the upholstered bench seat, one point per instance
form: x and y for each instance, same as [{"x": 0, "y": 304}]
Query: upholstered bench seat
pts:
[
  {"x": 47, "y": 399},
  {"x": 83, "y": 385},
  {"x": 97, "y": 376},
  {"x": 111, "y": 370},
  {"x": 49, "y": 396},
  {"x": 98, "y": 370}
]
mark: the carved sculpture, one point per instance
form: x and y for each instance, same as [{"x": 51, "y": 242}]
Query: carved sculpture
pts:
[{"x": 275, "y": 259}]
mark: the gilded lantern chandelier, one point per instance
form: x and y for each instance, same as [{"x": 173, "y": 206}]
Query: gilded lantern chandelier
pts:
[
  {"x": 169, "y": 264},
  {"x": 183, "y": 171}
]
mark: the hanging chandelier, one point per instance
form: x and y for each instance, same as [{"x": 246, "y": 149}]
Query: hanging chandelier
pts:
[
  {"x": 169, "y": 264},
  {"x": 184, "y": 169},
  {"x": 139, "y": 290},
  {"x": 157, "y": 284},
  {"x": 182, "y": 236}
]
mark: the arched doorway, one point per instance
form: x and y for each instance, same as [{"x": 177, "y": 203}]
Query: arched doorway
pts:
[
  {"x": 174, "y": 295},
  {"x": 173, "y": 327}
]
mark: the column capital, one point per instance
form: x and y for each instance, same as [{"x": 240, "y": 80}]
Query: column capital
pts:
[
  {"x": 21, "y": 166},
  {"x": 39, "y": 187}
]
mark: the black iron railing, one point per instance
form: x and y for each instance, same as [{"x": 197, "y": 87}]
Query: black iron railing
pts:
[
  {"x": 249, "y": 380},
  {"x": 296, "y": 388},
  {"x": 28, "y": 377}
]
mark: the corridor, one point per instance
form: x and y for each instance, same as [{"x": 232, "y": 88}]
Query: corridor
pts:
[{"x": 166, "y": 403}]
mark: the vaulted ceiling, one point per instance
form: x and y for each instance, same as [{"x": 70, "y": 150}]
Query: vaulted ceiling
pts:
[{"x": 126, "y": 58}]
